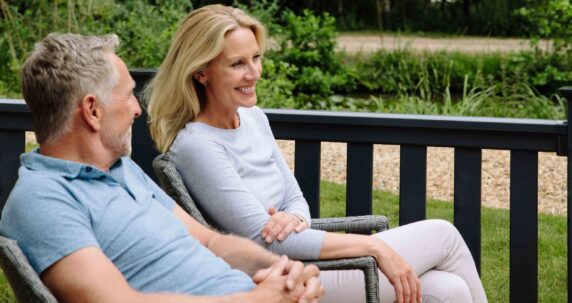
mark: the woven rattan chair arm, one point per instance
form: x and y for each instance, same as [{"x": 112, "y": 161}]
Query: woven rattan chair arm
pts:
[
  {"x": 367, "y": 264},
  {"x": 352, "y": 224}
]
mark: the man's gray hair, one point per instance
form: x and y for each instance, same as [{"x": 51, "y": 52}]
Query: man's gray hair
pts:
[{"x": 62, "y": 69}]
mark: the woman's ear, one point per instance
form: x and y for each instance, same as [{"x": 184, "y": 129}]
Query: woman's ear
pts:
[
  {"x": 91, "y": 112},
  {"x": 201, "y": 77}
]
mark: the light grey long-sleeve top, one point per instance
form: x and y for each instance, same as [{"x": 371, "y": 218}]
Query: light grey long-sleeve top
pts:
[{"x": 236, "y": 175}]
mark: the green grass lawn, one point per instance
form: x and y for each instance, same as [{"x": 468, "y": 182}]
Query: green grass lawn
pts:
[
  {"x": 495, "y": 243},
  {"x": 6, "y": 294}
]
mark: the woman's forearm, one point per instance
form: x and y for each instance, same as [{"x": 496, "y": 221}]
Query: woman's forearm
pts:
[{"x": 337, "y": 245}]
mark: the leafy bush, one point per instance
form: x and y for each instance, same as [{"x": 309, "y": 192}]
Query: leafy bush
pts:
[
  {"x": 308, "y": 42},
  {"x": 145, "y": 28},
  {"x": 275, "y": 89},
  {"x": 551, "y": 21}
]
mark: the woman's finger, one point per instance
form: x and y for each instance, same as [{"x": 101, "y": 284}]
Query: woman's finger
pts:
[
  {"x": 398, "y": 291},
  {"x": 301, "y": 226},
  {"x": 406, "y": 289},
  {"x": 419, "y": 293},
  {"x": 268, "y": 227},
  {"x": 287, "y": 230}
]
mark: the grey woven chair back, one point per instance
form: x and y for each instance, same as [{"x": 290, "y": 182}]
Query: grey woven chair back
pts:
[
  {"x": 171, "y": 182},
  {"x": 26, "y": 284},
  {"x": 173, "y": 185}
]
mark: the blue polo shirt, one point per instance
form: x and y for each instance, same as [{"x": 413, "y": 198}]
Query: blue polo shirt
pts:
[{"x": 58, "y": 207}]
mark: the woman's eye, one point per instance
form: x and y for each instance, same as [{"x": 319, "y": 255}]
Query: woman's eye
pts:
[{"x": 237, "y": 63}]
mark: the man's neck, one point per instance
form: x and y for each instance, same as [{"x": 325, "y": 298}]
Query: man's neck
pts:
[{"x": 79, "y": 150}]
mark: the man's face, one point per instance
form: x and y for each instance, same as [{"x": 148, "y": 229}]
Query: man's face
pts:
[{"x": 119, "y": 114}]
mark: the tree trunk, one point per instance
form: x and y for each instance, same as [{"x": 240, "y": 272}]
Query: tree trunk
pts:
[
  {"x": 379, "y": 4},
  {"x": 467, "y": 8},
  {"x": 340, "y": 13}
]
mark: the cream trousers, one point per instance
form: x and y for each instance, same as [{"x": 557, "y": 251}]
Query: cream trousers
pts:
[{"x": 436, "y": 252}]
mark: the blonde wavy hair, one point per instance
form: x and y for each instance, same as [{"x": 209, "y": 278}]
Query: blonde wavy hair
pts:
[{"x": 174, "y": 97}]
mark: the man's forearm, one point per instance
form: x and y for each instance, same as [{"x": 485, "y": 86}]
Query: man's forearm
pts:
[
  {"x": 181, "y": 298},
  {"x": 241, "y": 253}
]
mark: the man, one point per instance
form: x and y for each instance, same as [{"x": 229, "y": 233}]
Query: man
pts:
[{"x": 93, "y": 225}]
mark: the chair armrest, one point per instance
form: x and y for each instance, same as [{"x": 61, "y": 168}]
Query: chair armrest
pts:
[
  {"x": 355, "y": 224},
  {"x": 367, "y": 264}
]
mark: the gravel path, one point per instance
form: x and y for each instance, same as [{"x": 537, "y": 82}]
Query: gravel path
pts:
[
  {"x": 369, "y": 43},
  {"x": 495, "y": 173}
]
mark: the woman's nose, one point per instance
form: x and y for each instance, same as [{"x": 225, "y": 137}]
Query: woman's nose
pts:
[{"x": 254, "y": 71}]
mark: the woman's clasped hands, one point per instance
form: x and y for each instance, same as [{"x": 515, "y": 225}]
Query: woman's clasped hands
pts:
[{"x": 281, "y": 224}]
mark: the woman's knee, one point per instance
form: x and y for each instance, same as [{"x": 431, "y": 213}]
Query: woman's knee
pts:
[
  {"x": 443, "y": 227},
  {"x": 439, "y": 286}
]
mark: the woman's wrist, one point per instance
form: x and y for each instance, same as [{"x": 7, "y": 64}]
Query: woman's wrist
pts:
[{"x": 378, "y": 249}]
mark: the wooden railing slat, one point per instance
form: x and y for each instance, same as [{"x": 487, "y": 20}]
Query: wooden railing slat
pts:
[
  {"x": 523, "y": 226},
  {"x": 359, "y": 179},
  {"x": 307, "y": 172},
  {"x": 13, "y": 144},
  {"x": 412, "y": 183},
  {"x": 467, "y": 199}
]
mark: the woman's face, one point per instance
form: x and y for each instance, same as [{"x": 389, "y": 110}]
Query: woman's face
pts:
[{"x": 231, "y": 77}]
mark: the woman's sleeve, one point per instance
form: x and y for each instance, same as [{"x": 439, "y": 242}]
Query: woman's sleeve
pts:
[
  {"x": 211, "y": 178},
  {"x": 294, "y": 201}
]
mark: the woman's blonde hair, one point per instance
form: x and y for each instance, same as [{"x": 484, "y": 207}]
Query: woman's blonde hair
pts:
[{"x": 174, "y": 97}]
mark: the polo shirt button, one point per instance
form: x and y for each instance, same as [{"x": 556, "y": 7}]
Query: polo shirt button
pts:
[{"x": 88, "y": 169}]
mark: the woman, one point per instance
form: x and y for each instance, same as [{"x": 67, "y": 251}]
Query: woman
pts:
[{"x": 201, "y": 107}]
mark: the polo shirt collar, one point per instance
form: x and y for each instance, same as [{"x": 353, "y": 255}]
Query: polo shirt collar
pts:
[{"x": 68, "y": 169}]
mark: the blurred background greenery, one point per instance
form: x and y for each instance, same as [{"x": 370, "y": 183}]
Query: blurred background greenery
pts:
[{"x": 305, "y": 69}]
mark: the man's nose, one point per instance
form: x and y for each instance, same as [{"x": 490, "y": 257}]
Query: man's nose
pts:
[{"x": 137, "y": 108}]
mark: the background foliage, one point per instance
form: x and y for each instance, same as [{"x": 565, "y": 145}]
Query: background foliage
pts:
[
  {"x": 144, "y": 26},
  {"x": 303, "y": 68},
  {"x": 475, "y": 17}
]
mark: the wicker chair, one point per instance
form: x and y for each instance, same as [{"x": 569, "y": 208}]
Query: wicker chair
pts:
[
  {"x": 172, "y": 183},
  {"x": 26, "y": 284}
]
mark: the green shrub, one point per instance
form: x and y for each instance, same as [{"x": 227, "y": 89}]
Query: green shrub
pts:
[
  {"x": 145, "y": 28},
  {"x": 307, "y": 42},
  {"x": 550, "y": 21},
  {"x": 274, "y": 89}
]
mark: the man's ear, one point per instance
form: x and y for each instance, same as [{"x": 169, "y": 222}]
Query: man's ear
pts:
[{"x": 91, "y": 112}]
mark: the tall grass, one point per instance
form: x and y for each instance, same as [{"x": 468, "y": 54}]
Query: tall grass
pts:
[
  {"x": 477, "y": 101},
  {"x": 451, "y": 83}
]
